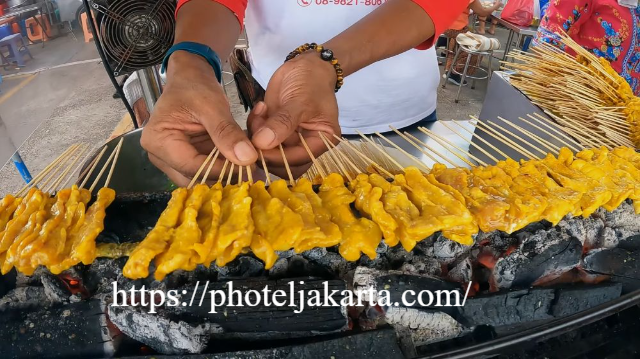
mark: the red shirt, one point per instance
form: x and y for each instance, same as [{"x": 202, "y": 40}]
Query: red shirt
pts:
[{"x": 442, "y": 13}]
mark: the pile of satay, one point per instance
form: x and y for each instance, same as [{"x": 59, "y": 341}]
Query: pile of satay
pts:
[
  {"x": 580, "y": 91},
  {"x": 55, "y": 231},
  {"x": 395, "y": 204}
]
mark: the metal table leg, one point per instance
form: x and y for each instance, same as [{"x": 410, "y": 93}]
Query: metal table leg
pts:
[{"x": 508, "y": 45}]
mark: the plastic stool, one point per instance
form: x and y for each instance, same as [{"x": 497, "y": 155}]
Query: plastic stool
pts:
[
  {"x": 17, "y": 49},
  {"x": 88, "y": 36},
  {"x": 467, "y": 66},
  {"x": 35, "y": 32}
]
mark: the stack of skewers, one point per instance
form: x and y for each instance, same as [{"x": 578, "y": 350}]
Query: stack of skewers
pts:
[
  {"x": 204, "y": 224},
  {"x": 581, "y": 92},
  {"x": 48, "y": 223}
]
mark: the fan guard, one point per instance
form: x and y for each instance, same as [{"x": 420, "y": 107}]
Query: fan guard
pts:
[{"x": 136, "y": 34}]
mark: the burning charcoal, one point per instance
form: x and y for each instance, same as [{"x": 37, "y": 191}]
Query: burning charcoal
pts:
[
  {"x": 7, "y": 283},
  {"x": 72, "y": 331},
  {"x": 381, "y": 262},
  {"x": 160, "y": 333},
  {"x": 24, "y": 297},
  {"x": 286, "y": 254},
  {"x": 530, "y": 228},
  {"x": 55, "y": 289},
  {"x": 609, "y": 238},
  {"x": 630, "y": 243},
  {"x": 398, "y": 256},
  {"x": 242, "y": 267},
  {"x": 622, "y": 265},
  {"x": 315, "y": 253},
  {"x": 422, "y": 326},
  {"x": 335, "y": 264},
  {"x": 382, "y": 248},
  {"x": 463, "y": 272},
  {"x": 509, "y": 308},
  {"x": 447, "y": 251},
  {"x": 576, "y": 299},
  {"x": 425, "y": 265},
  {"x": 262, "y": 321},
  {"x": 279, "y": 269},
  {"x": 542, "y": 256},
  {"x": 425, "y": 247},
  {"x": 587, "y": 230},
  {"x": 623, "y": 217}
]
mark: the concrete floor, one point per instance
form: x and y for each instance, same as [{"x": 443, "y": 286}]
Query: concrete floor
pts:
[
  {"x": 64, "y": 96},
  {"x": 63, "y": 100}
]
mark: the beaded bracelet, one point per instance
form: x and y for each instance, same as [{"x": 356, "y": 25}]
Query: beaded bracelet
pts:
[{"x": 325, "y": 54}]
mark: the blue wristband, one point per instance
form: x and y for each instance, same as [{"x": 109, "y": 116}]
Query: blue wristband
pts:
[{"x": 198, "y": 49}]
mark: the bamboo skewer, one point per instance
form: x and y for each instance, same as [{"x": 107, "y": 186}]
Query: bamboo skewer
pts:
[
  {"x": 565, "y": 143},
  {"x": 43, "y": 173},
  {"x": 115, "y": 161},
  {"x": 365, "y": 157},
  {"x": 419, "y": 142},
  {"x": 518, "y": 138},
  {"x": 471, "y": 143},
  {"x": 286, "y": 165},
  {"x": 491, "y": 132},
  {"x": 240, "y": 176},
  {"x": 58, "y": 168},
  {"x": 342, "y": 171},
  {"x": 444, "y": 144},
  {"x": 411, "y": 157},
  {"x": 104, "y": 168},
  {"x": 55, "y": 186},
  {"x": 432, "y": 134},
  {"x": 264, "y": 167},
  {"x": 497, "y": 150},
  {"x": 406, "y": 138},
  {"x": 249, "y": 175},
  {"x": 202, "y": 167},
  {"x": 93, "y": 167},
  {"x": 223, "y": 171},
  {"x": 311, "y": 156},
  {"x": 384, "y": 153},
  {"x": 342, "y": 155},
  {"x": 548, "y": 145},
  {"x": 230, "y": 174},
  {"x": 213, "y": 162}
]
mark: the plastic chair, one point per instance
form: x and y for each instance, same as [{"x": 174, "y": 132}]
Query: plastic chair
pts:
[
  {"x": 17, "y": 49},
  {"x": 470, "y": 53}
]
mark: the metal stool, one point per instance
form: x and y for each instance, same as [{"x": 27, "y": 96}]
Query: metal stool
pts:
[
  {"x": 17, "y": 49},
  {"x": 470, "y": 53}
]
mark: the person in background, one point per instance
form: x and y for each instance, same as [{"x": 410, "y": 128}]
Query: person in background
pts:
[
  {"x": 608, "y": 28},
  {"x": 349, "y": 66},
  {"x": 461, "y": 26},
  {"x": 483, "y": 21}
]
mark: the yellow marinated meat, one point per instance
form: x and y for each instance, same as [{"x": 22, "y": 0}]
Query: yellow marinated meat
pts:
[
  {"x": 599, "y": 168},
  {"x": 368, "y": 202},
  {"x": 114, "y": 250},
  {"x": 262, "y": 249},
  {"x": 311, "y": 233},
  {"x": 561, "y": 201},
  {"x": 8, "y": 205},
  {"x": 332, "y": 233},
  {"x": 412, "y": 228},
  {"x": 155, "y": 242},
  {"x": 594, "y": 194},
  {"x": 28, "y": 207},
  {"x": 274, "y": 220},
  {"x": 34, "y": 225},
  {"x": 236, "y": 224},
  {"x": 525, "y": 206},
  {"x": 456, "y": 221},
  {"x": 38, "y": 239},
  {"x": 359, "y": 235},
  {"x": 84, "y": 239},
  {"x": 180, "y": 246},
  {"x": 56, "y": 247},
  {"x": 488, "y": 211},
  {"x": 209, "y": 223},
  {"x": 624, "y": 164}
]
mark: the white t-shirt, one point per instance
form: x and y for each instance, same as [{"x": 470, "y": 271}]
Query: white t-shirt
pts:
[{"x": 398, "y": 91}]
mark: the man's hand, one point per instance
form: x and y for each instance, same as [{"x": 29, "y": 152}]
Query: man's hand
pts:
[
  {"x": 299, "y": 98},
  {"x": 191, "y": 115}
]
